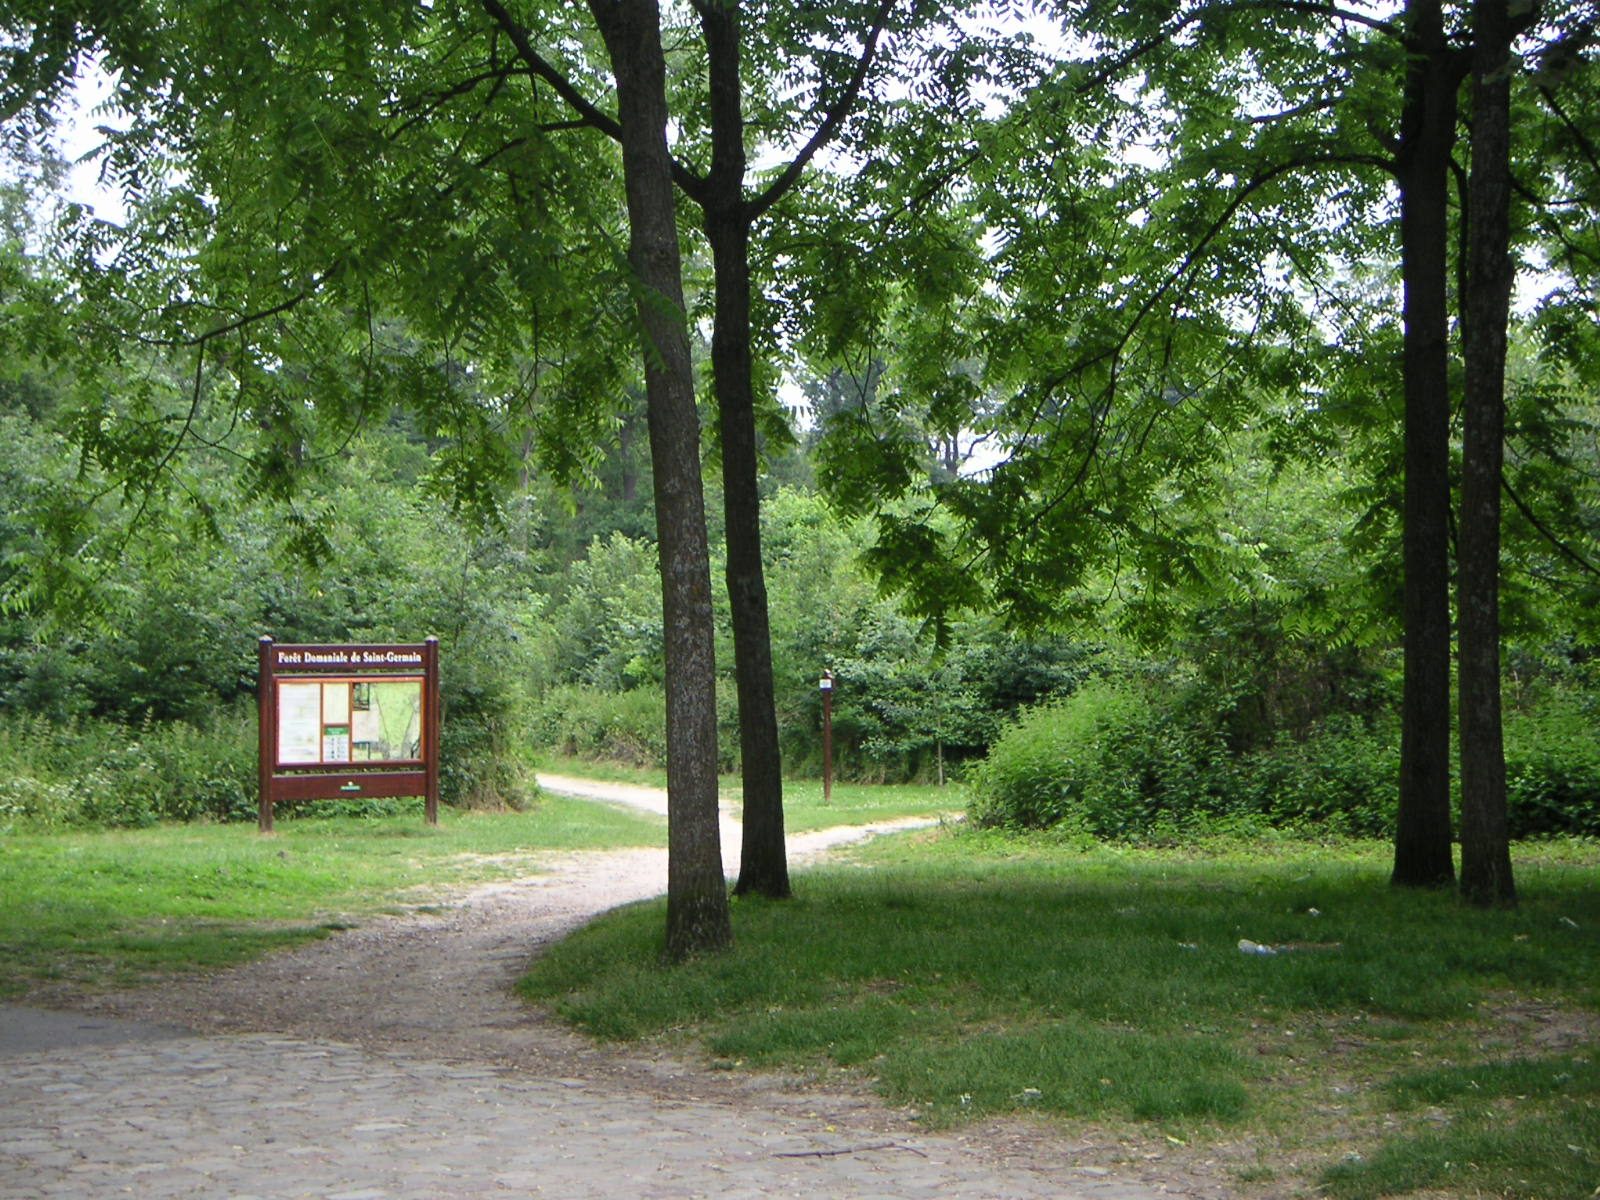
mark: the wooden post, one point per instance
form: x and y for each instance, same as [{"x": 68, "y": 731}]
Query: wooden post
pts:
[
  {"x": 827, "y": 737},
  {"x": 430, "y": 708},
  {"x": 266, "y": 734}
]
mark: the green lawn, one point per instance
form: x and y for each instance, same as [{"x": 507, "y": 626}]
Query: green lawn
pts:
[
  {"x": 108, "y": 906},
  {"x": 859, "y": 803},
  {"x": 803, "y": 809},
  {"x": 970, "y": 974}
]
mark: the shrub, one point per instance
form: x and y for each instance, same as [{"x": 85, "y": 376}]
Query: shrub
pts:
[
  {"x": 1150, "y": 760},
  {"x": 1553, "y": 765},
  {"x": 1342, "y": 778},
  {"x": 626, "y": 727},
  {"x": 1064, "y": 763},
  {"x": 104, "y": 773},
  {"x": 480, "y": 764}
]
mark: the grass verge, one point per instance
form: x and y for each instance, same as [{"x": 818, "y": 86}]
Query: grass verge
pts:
[
  {"x": 976, "y": 974},
  {"x": 803, "y": 807},
  {"x": 861, "y": 803},
  {"x": 606, "y": 771},
  {"x": 107, "y": 907}
]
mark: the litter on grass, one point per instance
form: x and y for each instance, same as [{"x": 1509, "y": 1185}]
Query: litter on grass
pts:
[{"x": 1246, "y": 946}]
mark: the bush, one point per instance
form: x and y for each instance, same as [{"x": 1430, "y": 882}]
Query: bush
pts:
[
  {"x": 1342, "y": 778},
  {"x": 103, "y": 773},
  {"x": 1553, "y": 765},
  {"x": 99, "y": 772},
  {"x": 1125, "y": 759},
  {"x": 626, "y": 727},
  {"x": 1058, "y": 764},
  {"x": 480, "y": 763}
]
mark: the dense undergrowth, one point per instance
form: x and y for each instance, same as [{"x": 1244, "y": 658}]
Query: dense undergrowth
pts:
[{"x": 1125, "y": 759}]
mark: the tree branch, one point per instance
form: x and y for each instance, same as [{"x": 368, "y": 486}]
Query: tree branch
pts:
[
  {"x": 245, "y": 320},
  {"x": 831, "y": 120},
  {"x": 1545, "y": 531},
  {"x": 544, "y": 70},
  {"x": 593, "y": 116},
  {"x": 1305, "y": 7},
  {"x": 431, "y": 103},
  {"x": 1585, "y": 146}
]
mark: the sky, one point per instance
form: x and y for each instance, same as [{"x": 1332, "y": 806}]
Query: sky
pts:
[{"x": 79, "y": 138}]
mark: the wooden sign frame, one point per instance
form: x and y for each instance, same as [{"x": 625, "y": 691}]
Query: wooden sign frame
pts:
[{"x": 314, "y": 756}]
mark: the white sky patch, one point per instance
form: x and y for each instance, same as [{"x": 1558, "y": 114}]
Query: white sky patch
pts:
[{"x": 79, "y": 138}]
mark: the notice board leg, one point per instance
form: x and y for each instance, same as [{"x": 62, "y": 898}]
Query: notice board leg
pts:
[
  {"x": 267, "y": 737},
  {"x": 430, "y": 660}
]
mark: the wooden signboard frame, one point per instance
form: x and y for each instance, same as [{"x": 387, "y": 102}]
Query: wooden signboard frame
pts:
[{"x": 313, "y": 701}]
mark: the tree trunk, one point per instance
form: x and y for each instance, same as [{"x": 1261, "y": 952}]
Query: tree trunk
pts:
[
  {"x": 1485, "y": 849},
  {"x": 1422, "y": 834},
  {"x": 697, "y": 897},
  {"x": 764, "y": 866}
]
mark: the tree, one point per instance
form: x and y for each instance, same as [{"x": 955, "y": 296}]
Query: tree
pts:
[
  {"x": 1273, "y": 130},
  {"x": 1427, "y": 135},
  {"x": 1485, "y": 853},
  {"x": 697, "y": 898},
  {"x": 728, "y": 218}
]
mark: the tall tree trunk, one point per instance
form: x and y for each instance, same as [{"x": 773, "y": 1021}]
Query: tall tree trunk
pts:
[
  {"x": 763, "y": 861},
  {"x": 697, "y": 897},
  {"x": 1485, "y": 848},
  {"x": 1422, "y": 834}
]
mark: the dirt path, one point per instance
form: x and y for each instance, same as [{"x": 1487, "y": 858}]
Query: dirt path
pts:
[
  {"x": 438, "y": 981},
  {"x": 435, "y": 986}
]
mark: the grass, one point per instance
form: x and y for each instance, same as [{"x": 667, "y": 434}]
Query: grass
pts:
[
  {"x": 606, "y": 771},
  {"x": 1404, "y": 1043},
  {"x": 861, "y": 803},
  {"x": 973, "y": 974},
  {"x": 107, "y": 907},
  {"x": 1520, "y": 1126},
  {"x": 803, "y": 808}
]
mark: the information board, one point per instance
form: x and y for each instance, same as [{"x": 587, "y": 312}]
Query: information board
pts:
[{"x": 349, "y": 720}]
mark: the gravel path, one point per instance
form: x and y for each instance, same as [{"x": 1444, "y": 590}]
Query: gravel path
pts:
[{"x": 393, "y": 1061}]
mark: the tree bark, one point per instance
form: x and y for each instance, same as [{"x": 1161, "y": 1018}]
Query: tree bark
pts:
[
  {"x": 763, "y": 861},
  {"x": 1485, "y": 847},
  {"x": 697, "y": 897},
  {"x": 1422, "y": 855}
]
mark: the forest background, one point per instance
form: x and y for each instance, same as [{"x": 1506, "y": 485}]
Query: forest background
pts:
[{"x": 1165, "y": 598}]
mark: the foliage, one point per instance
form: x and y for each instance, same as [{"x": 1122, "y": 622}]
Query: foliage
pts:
[
  {"x": 901, "y": 704},
  {"x": 602, "y": 624},
  {"x": 1553, "y": 764},
  {"x": 1123, "y": 759},
  {"x": 208, "y": 431},
  {"x": 626, "y": 727},
  {"x": 96, "y": 772}
]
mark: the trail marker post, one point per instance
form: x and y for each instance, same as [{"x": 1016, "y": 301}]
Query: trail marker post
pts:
[{"x": 826, "y": 686}]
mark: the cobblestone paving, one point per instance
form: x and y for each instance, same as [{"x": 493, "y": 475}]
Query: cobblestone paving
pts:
[
  {"x": 163, "y": 1115},
  {"x": 98, "y": 1106}
]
